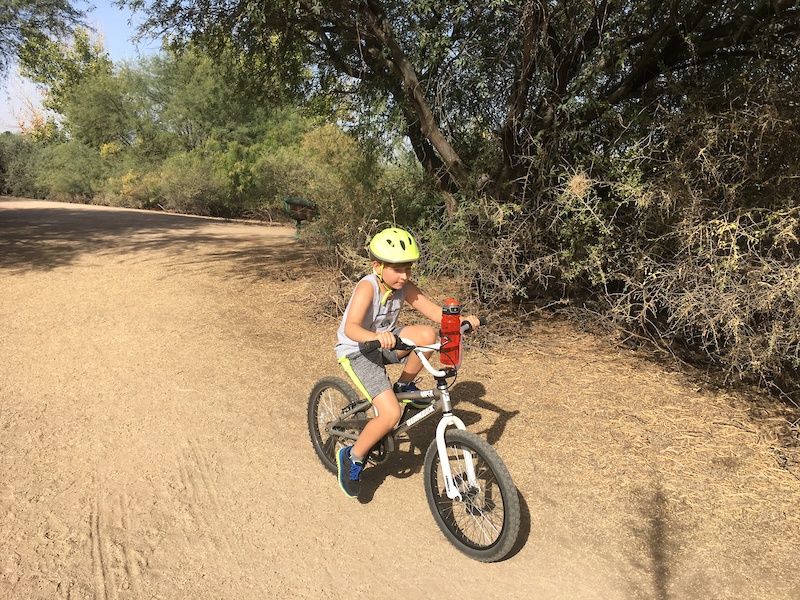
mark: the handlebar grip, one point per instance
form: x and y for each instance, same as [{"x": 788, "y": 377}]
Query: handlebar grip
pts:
[
  {"x": 466, "y": 326},
  {"x": 398, "y": 345},
  {"x": 371, "y": 345}
]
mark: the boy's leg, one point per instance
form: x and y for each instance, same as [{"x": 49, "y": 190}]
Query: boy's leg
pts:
[
  {"x": 350, "y": 460},
  {"x": 388, "y": 411},
  {"x": 421, "y": 335},
  {"x": 371, "y": 374}
]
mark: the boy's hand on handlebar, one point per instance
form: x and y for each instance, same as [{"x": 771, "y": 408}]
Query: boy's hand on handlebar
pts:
[
  {"x": 473, "y": 320},
  {"x": 386, "y": 338}
]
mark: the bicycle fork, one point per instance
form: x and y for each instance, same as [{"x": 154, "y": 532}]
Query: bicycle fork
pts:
[{"x": 450, "y": 420}]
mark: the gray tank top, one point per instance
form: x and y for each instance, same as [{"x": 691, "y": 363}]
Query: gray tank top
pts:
[{"x": 379, "y": 317}]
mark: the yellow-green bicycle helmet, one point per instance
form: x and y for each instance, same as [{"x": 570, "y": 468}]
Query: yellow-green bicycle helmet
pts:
[{"x": 395, "y": 246}]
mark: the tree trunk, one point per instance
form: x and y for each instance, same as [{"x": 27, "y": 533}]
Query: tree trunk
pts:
[{"x": 379, "y": 27}]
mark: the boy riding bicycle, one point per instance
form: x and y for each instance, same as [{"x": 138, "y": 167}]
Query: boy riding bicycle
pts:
[{"x": 372, "y": 314}]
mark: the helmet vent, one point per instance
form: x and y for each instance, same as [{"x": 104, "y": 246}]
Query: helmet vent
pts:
[{"x": 402, "y": 244}]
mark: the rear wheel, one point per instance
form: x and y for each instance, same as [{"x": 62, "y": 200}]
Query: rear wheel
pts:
[
  {"x": 484, "y": 523},
  {"x": 329, "y": 399}
]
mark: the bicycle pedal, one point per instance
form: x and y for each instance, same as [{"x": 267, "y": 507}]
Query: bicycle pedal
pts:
[{"x": 349, "y": 409}]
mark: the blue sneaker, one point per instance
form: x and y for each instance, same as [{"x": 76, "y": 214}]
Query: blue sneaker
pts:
[
  {"x": 349, "y": 473},
  {"x": 411, "y": 386},
  {"x": 402, "y": 386}
]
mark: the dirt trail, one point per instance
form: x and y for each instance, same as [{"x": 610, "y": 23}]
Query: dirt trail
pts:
[{"x": 154, "y": 371}]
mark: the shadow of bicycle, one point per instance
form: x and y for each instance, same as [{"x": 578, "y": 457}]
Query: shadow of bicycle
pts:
[
  {"x": 473, "y": 392},
  {"x": 407, "y": 460}
]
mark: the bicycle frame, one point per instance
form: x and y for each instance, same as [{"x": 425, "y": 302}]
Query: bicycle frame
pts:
[{"x": 443, "y": 403}]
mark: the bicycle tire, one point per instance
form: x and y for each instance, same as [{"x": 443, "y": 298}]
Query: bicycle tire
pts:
[
  {"x": 330, "y": 396},
  {"x": 481, "y": 525}
]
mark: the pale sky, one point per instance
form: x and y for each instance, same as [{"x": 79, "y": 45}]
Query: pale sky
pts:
[{"x": 17, "y": 95}]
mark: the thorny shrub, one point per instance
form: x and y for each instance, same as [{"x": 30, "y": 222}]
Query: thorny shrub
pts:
[{"x": 686, "y": 235}]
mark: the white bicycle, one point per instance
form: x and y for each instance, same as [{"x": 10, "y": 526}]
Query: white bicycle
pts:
[{"x": 469, "y": 489}]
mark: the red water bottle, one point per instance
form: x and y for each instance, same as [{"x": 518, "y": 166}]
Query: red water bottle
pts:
[{"x": 450, "y": 351}]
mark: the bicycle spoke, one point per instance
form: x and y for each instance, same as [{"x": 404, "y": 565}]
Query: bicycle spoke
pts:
[
  {"x": 475, "y": 524},
  {"x": 484, "y": 521},
  {"x": 329, "y": 398},
  {"x": 329, "y": 445}
]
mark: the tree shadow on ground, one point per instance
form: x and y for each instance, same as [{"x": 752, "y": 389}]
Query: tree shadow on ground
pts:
[
  {"x": 659, "y": 534},
  {"x": 43, "y": 236}
]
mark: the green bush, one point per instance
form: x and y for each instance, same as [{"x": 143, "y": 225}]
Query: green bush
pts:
[
  {"x": 19, "y": 159},
  {"x": 70, "y": 171},
  {"x": 193, "y": 183},
  {"x": 133, "y": 189}
]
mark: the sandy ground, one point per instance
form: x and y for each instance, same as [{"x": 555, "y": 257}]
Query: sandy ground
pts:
[{"x": 154, "y": 373}]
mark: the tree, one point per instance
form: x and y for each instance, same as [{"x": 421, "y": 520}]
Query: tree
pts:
[
  {"x": 483, "y": 86},
  {"x": 24, "y": 24},
  {"x": 59, "y": 66},
  {"x": 196, "y": 98},
  {"x": 69, "y": 171},
  {"x": 19, "y": 159},
  {"x": 97, "y": 110}
]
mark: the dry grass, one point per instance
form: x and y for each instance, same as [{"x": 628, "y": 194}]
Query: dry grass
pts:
[{"x": 646, "y": 460}]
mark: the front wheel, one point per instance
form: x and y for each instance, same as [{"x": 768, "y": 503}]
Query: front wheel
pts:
[
  {"x": 329, "y": 430},
  {"x": 484, "y": 523}
]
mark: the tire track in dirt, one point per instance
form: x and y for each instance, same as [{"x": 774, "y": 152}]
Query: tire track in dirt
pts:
[
  {"x": 132, "y": 558},
  {"x": 116, "y": 562},
  {"x": 202, "y": 497},
  {"x": 99, "y": 569},
  {"x": 199, "y": 493},
  {"x": 186, "y": 519}
]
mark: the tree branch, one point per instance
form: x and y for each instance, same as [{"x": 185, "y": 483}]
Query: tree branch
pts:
[{"x": 379, "y": 27}]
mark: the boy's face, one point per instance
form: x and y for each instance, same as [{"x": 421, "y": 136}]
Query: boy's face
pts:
[{"x": 394, "y": 275}]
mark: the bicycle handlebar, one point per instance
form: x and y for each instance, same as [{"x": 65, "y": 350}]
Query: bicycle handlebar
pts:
[{"x": 399, "y": 344}]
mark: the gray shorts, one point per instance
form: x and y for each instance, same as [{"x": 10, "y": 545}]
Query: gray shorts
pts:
[{"x": 370, "y": 368}]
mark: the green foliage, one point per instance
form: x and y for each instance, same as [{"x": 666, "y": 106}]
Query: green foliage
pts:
[
  {"x": 69, "y": 171},
  {"x": 46, "y": 131},
  {"x": 97, "y": 112},
  {"x": 19, "y": 157},
  {"x": 26, "y": 24},
  {"x": 193, "y": 183},
  {"x": 326, "y": 168},
  {"x": 481, "y": 89},
  {"x": 131, "y": 189},
  {"x": 60, "y": 67},
  {"x": 638, "y": 159}
]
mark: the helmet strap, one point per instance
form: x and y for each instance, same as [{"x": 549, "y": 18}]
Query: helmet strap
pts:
[{"x": 389, "y": 291}]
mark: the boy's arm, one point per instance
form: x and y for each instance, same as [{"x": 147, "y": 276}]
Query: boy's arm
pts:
[
  {"x": 430, "y": 309},
  {"x": 422, "y": 303},
  {"x": 362, "y": 298}
]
